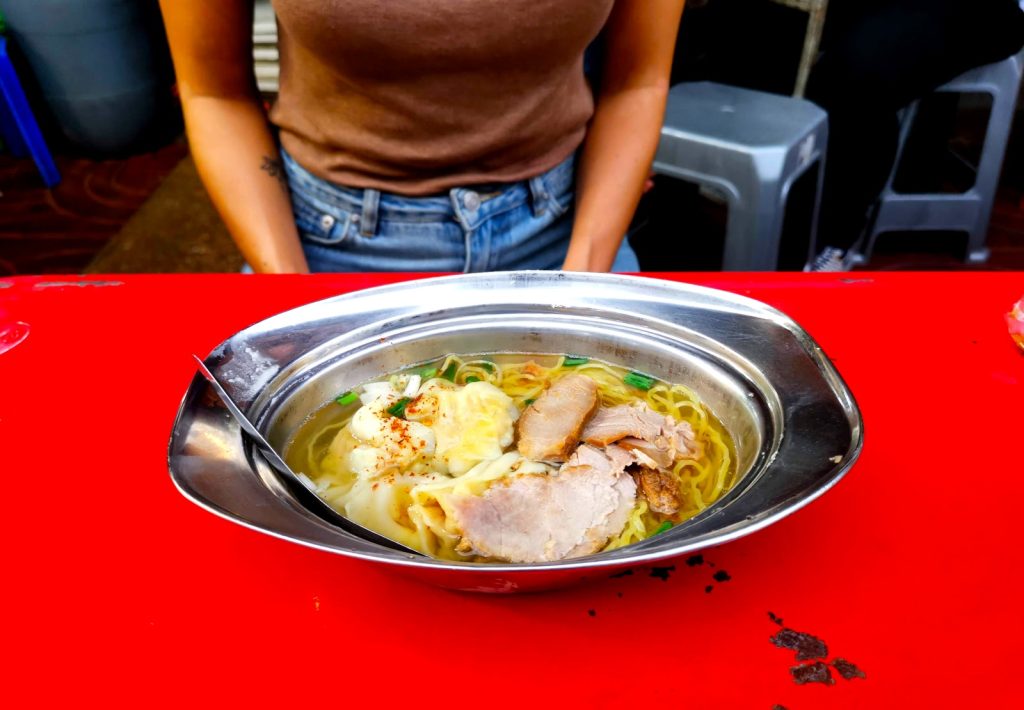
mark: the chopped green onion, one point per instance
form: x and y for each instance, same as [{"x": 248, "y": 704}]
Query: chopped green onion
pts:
[
  {"x": 428, "y": 373},
  {"x": 641, "y": 382},
  {"x": 398, "y": 408},
  {"x": 574, "y": 361},
  {"x": 346, "y": 399},
  {"x": 449, "y": 372},
  {"x": 529, "y": 401},
  {"x": 487, "y": 367},
  {"x": 471, "y": 379},
  {"x": 663, "y": 527}
]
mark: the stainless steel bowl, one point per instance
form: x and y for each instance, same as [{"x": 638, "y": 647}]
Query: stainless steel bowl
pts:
[{"x": 795, "y": 425}]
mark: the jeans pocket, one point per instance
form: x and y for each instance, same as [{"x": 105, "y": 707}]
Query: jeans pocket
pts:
[{"x": 319, "y": 222}]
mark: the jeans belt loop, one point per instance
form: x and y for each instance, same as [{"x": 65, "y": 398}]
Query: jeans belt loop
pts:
[
  {"x": 371, "y": 210},
  {"x": 539, "y": 195}
]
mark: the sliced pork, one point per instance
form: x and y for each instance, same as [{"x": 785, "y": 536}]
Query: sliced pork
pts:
[
  {"x": 681, "y": 438},
  {"x": 671, "y": 440},
  {"x": 549, "y": 429},
  {"x": 540, "y": 518},
  {"x": 609, "y": 424},
  {"x": 646, "y": 453}
]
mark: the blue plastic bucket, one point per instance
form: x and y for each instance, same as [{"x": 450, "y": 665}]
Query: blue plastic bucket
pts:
[{"x": 102, "y": 67}]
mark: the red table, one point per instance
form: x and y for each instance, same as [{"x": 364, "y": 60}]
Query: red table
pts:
[{"x": 118, "y": 591}]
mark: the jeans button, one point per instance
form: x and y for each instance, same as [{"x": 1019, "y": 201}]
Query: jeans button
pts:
[
  {"x": 327, "y": 221},
  {"x": 471, "y": 201}
]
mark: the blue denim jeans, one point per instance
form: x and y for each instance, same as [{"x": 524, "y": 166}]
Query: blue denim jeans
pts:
[{"x": 522, "y": 225}]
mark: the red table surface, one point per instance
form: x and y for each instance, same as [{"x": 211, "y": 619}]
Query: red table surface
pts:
[{"x": 116, "y": 589}]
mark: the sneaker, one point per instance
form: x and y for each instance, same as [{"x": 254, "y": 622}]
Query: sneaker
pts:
[{"x": 830, "y": 259}]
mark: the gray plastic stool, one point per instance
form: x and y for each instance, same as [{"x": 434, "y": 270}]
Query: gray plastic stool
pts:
[
  {"x": 970, "y": 211},
  {"x": 752, "y": 146}
]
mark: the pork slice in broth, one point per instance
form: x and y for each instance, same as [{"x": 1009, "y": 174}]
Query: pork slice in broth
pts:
[
  {"x": 540, "y": 518},
  {"x": 681, "y": 439},
  {"x": 609, "y": 424},
  {"x": 647, "y": 453},
  {"x": 666, "y": 439},
  {"x": 549, "y": 429}
]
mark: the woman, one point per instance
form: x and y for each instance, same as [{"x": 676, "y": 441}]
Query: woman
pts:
[{"x": 431, "y": 135}]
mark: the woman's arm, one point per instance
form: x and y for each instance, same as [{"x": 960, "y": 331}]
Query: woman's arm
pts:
[
  {"x": 235, "y": 153},
  {"x": 623, "y": 136}
]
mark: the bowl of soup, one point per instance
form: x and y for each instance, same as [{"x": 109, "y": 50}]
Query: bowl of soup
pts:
[{"x": 520, "y": 430}]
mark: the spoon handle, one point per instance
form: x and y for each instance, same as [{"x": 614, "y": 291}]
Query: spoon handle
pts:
[{"x": 278, "y": 464}]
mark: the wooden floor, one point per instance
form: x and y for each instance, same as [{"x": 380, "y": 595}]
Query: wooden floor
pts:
[{"x": 92, "y": 222}]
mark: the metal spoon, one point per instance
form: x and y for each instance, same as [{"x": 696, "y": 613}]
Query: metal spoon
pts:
[{"x": 321, "y": 508}]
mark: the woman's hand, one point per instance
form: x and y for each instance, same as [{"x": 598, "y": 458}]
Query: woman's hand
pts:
[
  {"x": 640, "y": 42},
  {"x": 231, "y": 142}
]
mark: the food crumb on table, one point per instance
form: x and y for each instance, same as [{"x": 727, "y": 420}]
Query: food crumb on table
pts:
[
  {"x": 805, "y": 645},
  {"x": 662, "y": 573},
  {"x": 816, "y": 672},
  {"x": 848, "y": 670}
]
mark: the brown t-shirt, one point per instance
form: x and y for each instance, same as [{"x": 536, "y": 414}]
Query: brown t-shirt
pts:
[{"x": 419, "y": 96}]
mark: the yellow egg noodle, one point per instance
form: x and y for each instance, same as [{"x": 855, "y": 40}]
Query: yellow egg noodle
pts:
[{"x": 411, "y": 503}]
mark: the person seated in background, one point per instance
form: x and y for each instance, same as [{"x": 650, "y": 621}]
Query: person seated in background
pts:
[
  {"x": 879, "y": 56},
  {"x": 427, "y": 135}
]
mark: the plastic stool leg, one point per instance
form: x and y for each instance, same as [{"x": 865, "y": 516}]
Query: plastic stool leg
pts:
[
  {"x": 819, "y": 165},
  {"x": 25, "y": 122}
]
